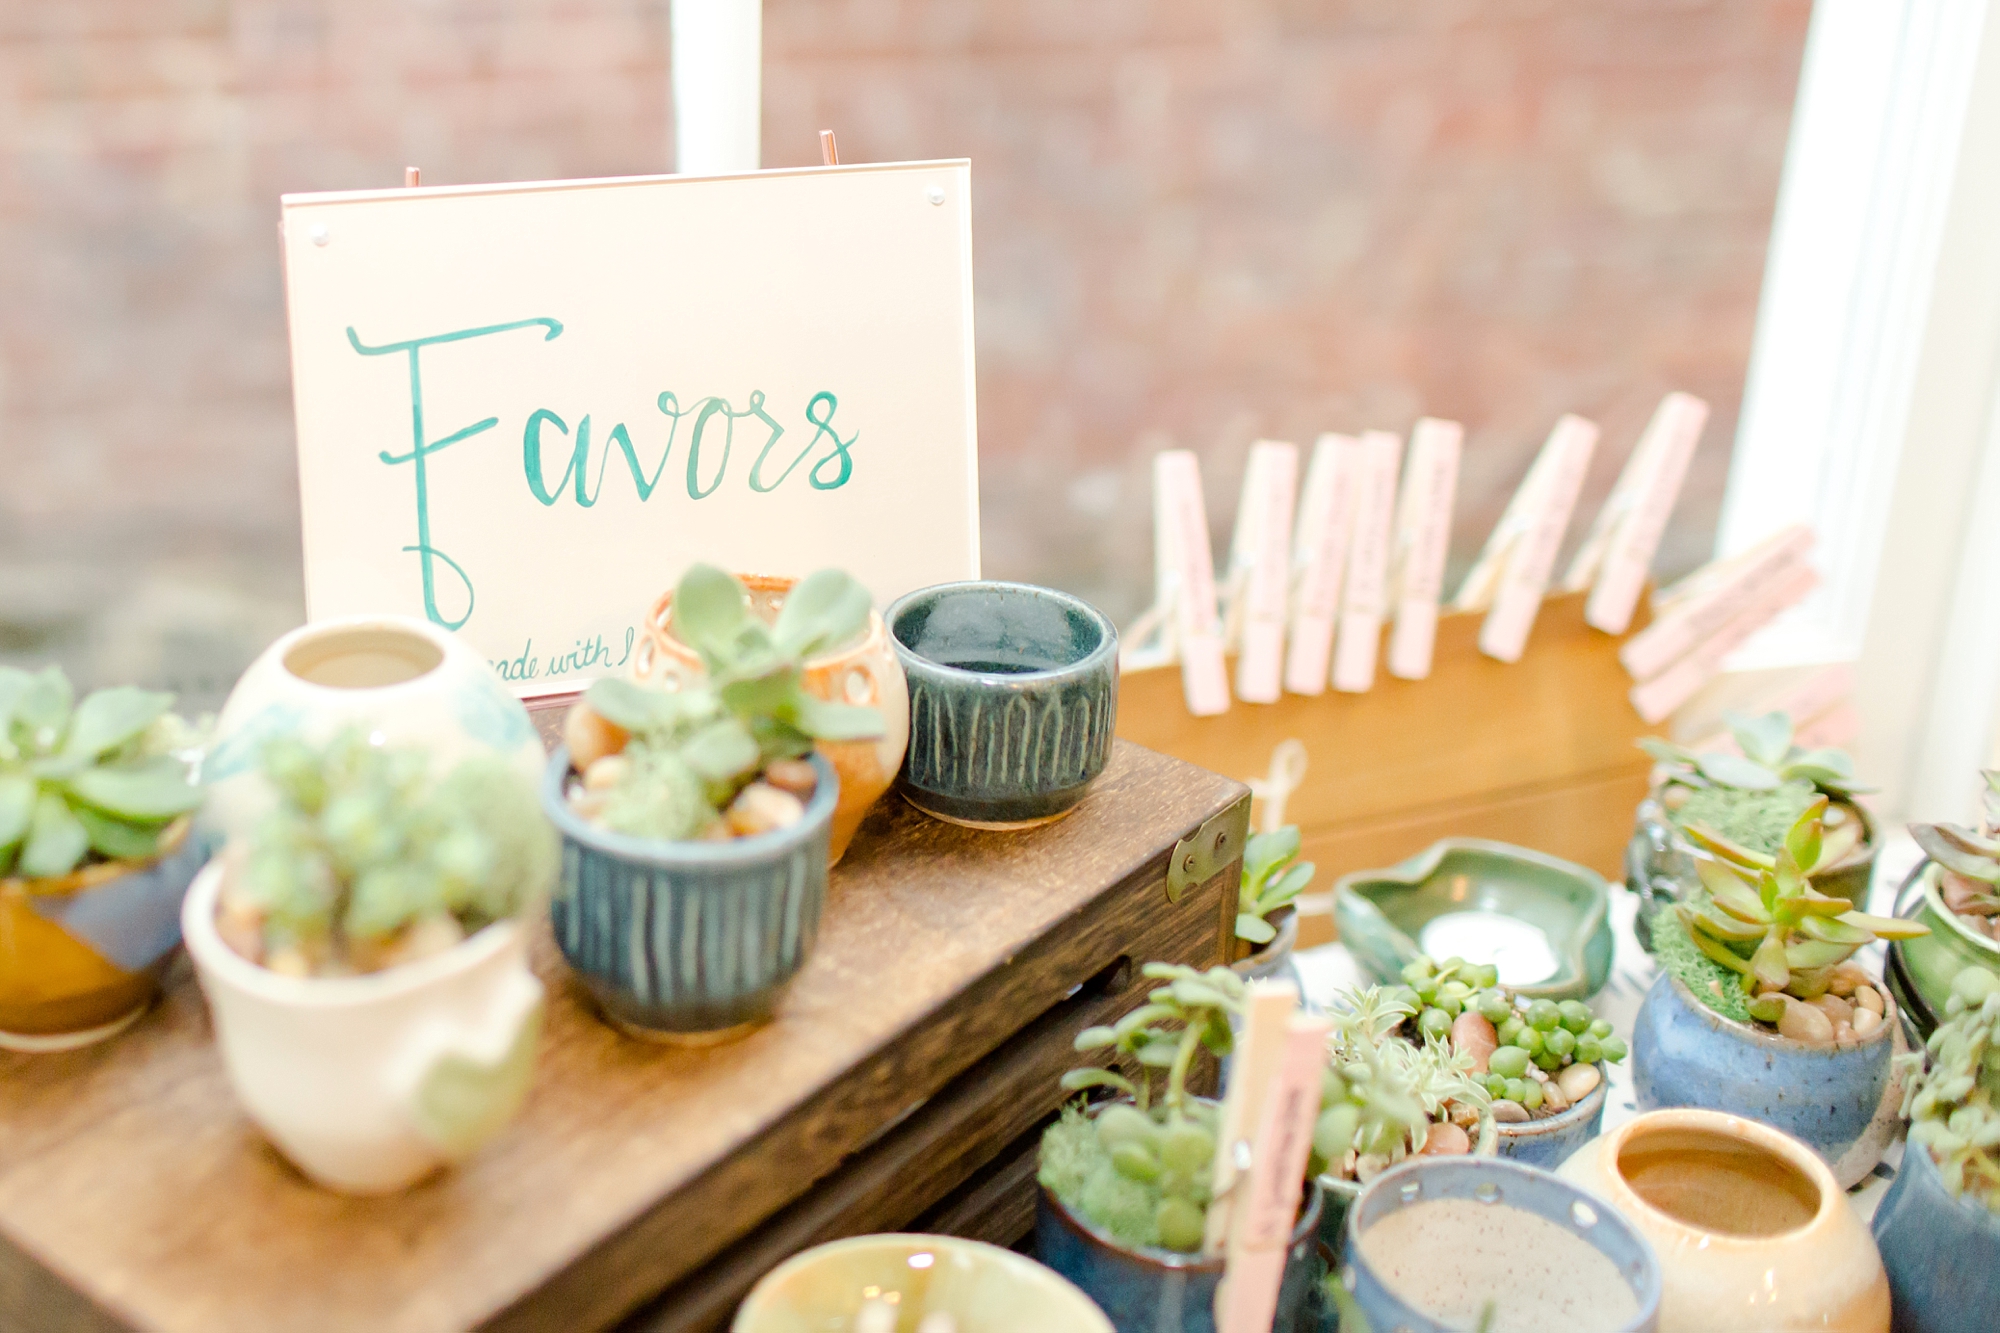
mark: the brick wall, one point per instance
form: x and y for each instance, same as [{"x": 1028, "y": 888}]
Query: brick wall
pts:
[{"x": 1196, "y": 222}]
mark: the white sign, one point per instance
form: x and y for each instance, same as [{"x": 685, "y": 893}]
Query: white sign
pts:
[{"x": 523, "y": 410}]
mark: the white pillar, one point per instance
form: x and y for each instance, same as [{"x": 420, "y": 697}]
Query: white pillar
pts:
[{"x": 718, "y": 59}]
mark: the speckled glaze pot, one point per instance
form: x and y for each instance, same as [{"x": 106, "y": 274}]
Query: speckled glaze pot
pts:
[
  {"x": 1160, "y": 1291},
  {"x": 688, "y": 942},
  {"x": 1751, "y": 1231},
  {"x": 1842, "y": 1101},
  {"x": 862, "y": 672},
  {"x": 1489, "y": 1181},
  {"x": 1548, "y": 1142},
  {"x": 1013, "y": 700},
  {"x": 81, "y": 955},
  {"x": 1942, "y": 1253}
]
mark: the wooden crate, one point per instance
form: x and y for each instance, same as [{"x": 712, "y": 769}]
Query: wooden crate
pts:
[
  {"x": 1540, "y": 753},
  {"x": 903, "y": 1083}
]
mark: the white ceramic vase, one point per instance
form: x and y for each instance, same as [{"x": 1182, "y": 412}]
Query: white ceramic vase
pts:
[
  {"x": 370, "y": 1083},
  {"x": 1751, "y": 1231},
  {"x": 402, "y": 678}
]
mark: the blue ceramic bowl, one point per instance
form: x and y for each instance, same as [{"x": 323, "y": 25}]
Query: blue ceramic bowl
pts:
[
  {"x": 1548, "y": 1142},
  {"x": 1942, "y": 1253},
  {"x": 1487, "y": 1181},
  {"x": 1160, "y": 1291},
  {"x": 1832, "y": 1098},
  {"x": 688, "y": 941},
  {"x": 1013, "y": 700}
]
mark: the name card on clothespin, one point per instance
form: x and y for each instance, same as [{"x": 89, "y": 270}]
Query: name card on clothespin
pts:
[
  {"x": 1422, "y": 540},
  {"x": 1695, "y": 609},
  {"x": 1181, "y": 537},
  {"x": 1365, "y": 599},
  {"x": 1657, "y": 698},
  {"x": 1267, "y": 1197},
  {"x": 1260, "y": 568},
  {"x": 1260, "y": 1049},
  {"x": 1618, "y": 554},
  {"x": 1524, "y": 577},
  {"x": 1319, "y": 560}
]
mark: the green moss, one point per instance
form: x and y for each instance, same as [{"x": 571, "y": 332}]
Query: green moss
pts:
[
  {"x": 1078, "y": 1170},
  {"x": 1712, "y": 983},
  {"x": 1758, "y": 820}
]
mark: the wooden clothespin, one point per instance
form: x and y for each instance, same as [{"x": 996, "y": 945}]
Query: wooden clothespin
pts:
[
  {"x": 829, "y": 151},
  {"x": 1364, "y": 600},
  {"x": 1423, "y": 535},
  {"x": 412, "y": 178},
  {"x": 1319, "y": 560},
  {"x": 1617, "y": 555},
  {"x": 1259, "y": 581},
  {"x": 1513, "y": 571}
]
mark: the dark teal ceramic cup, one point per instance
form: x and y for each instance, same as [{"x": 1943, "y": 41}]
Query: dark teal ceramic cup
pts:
[{"x": 1013, "y": 700}]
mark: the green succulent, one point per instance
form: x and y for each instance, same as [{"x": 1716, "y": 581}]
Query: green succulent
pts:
[
  {"x": 1970, "y": 860},
  {"x": 1548, "y": 1034},
  {"x": 95, "y": 778},
  {"x": 1383, "y": 1093},
  {"x": 1273, "y": 878},
  {"x": 1954, "y": 1104},
  {"x": 364, "y": 843},
  {"x": 1763, "y": 920},
  {"x": 1769, "y": 760},
  {"x": 692, "y": 750}
]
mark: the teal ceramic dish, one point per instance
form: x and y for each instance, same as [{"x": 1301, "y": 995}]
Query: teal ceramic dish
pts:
[
  {"x": 1013, "y": 701},
  {"x": 1543, "y": 921},
  {"x": 983, "y": 1288}
]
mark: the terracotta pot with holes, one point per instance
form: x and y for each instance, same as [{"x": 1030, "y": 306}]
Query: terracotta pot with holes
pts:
[{"x": 862, "y": 671}]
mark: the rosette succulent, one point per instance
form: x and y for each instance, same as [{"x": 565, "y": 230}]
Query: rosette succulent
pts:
[
  {"x": 104, "y": 779},
  {"x": 1954, "y": 1104},
  {"x": 1753, "y": 797}
]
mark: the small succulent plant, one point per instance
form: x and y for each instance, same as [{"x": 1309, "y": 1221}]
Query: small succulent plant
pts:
[
  {"x": 1386, "y": 1097},
  {"x": 1762, "y": 920},
  {"x": 1273, "y": 878},
  {"x": 684, "y": 764},
  {"x": 97, "y": 779},
  {"x": 1968, "y": 862},
  {"x": 1752, "y": 798},
  {"x": 367, "y": 860},
  {"x": 1954, "y": 1105}
]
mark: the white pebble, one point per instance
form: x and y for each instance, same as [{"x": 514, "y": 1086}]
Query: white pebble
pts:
[{"x": 1578, "y": 1082}]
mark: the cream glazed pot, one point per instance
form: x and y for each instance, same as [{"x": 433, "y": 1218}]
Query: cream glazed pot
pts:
[
  {"x": 1751, "y": 1231},
  {"x": 370, "y": 1083},
  {"x": 406, "y": 680}
]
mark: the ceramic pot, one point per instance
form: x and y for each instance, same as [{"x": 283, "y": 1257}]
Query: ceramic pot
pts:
[
  {"x": 1435, "y": 1271},
  {"x": 1162, "y": 1291},
  {"x": 984, "y": 1289},
  {"x": 688, "y": 942},
  {"x": 1548, "y": 1142},
  {"x": 1660, "y": 862},
  {"x": 1269, "y": 961},
  {"x": 370, "y": 1083},
  {"x": 1013, "y": 701},
  {"x": 863, "y": 672},
  {"x": 1544, "y": 922},
  {"x": 402, "y": 678},
  {"x": 1751, "y": 1229},
  {"x": 1842, "y": 1101},
  {"x": 1340, "y": 1193},
  {"x": 1929, "y": 962},
  {"x": 1942, "y": 1253},
  {"x": 81, "y": 955}
]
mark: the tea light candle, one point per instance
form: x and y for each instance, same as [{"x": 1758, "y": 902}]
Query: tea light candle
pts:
[{"x": 1520, "y": 950}]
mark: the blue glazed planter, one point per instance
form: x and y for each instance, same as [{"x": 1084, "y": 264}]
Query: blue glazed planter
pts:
[
  {"x": 1160, "y": 1291},
  {"x": 1490, "y": 1181},
  {"x": 1548, "y": 1143},
  {"x": 1013, "y": 700},
  {"x": 1942, "y": 1254},
  {"x": 1832, "y": 1098},
  {"x": 688, "y": 941}
]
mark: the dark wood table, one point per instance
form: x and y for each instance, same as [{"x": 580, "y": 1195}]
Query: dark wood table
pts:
[{"x": 902, "y": 1086}]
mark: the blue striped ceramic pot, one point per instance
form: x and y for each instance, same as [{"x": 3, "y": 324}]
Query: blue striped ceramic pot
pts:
[
  {"x": 1942, "y": 1253},
  {"x": 1163, "y": 1291},
  {"x": 689, "y": 941},
  {"x": 1837, "y": 1099},
  {"x": 1548, "y": 1142},
  {"x": 1013, "y": 700}
]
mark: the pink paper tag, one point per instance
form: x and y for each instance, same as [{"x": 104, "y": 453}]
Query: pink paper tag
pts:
[
  {"x": 1712, "y": 598},
  {"x": 1326, "y": 518},
  {"x": 1525, "y": 577},
  {"x": 1366, "y": 594},
  {"x": 1204, "y": 678},
  {"x": 1656, "y": 699},
  {"x": 1423, "y": 536},
  {"x": 1661, "y": 461},
  {"x": 1270, "y": 488}
]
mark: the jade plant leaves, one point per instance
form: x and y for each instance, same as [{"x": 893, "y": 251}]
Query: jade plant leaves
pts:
[
  {"x": 710, "y": 609},
  {"x": 823, "y": 611},
  {"x": 149, "y": 789},
  {"x": 109, "y": 718},
  {"x": 1735, "y": 771},
  {"x": 1766, "y": 740},
  {"x": 57, "y": 840}
]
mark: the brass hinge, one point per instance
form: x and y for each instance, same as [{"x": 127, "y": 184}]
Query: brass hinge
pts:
[{"x": 1208, "y": 850}]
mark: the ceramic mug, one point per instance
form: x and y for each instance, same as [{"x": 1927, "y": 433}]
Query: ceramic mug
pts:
[{"x": 1013, "y": 701}]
